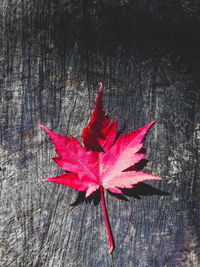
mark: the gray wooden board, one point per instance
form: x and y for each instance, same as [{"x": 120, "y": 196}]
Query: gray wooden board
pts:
[{"x": 53, "y": 54}]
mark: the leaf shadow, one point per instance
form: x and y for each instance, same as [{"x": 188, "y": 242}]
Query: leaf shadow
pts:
[
  {"x": 138, "y": 166},
  {"x": 140, "y": 189},
  {"x": 95, "y": 198}
]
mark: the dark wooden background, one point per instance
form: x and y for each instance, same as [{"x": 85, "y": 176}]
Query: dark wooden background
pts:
[{"x": 52, "y": 56}]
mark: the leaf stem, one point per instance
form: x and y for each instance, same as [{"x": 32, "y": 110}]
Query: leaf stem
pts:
[{"x": 106, "y": 220}]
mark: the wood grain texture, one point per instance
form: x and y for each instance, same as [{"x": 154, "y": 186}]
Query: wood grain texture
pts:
[{"x": 52, "y": 56}]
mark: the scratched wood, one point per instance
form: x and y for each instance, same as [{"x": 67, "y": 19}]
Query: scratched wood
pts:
[{"x": 52, "y": 56}]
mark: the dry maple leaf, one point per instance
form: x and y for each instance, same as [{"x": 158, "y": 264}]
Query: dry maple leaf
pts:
[{"x": 103, "y": 162}]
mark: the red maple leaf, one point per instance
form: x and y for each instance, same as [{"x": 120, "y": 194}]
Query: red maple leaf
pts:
[{"x": 103, "y": 161}]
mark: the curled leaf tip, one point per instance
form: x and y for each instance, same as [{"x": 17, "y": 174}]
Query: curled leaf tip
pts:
[
  {"x": 100, "y": 86},
  {"x": 43, "y": 127},
  {"x": 45, "y": 180}
]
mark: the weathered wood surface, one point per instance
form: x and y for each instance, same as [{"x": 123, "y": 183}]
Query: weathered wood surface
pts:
[{"x": 53, "y": 53}]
